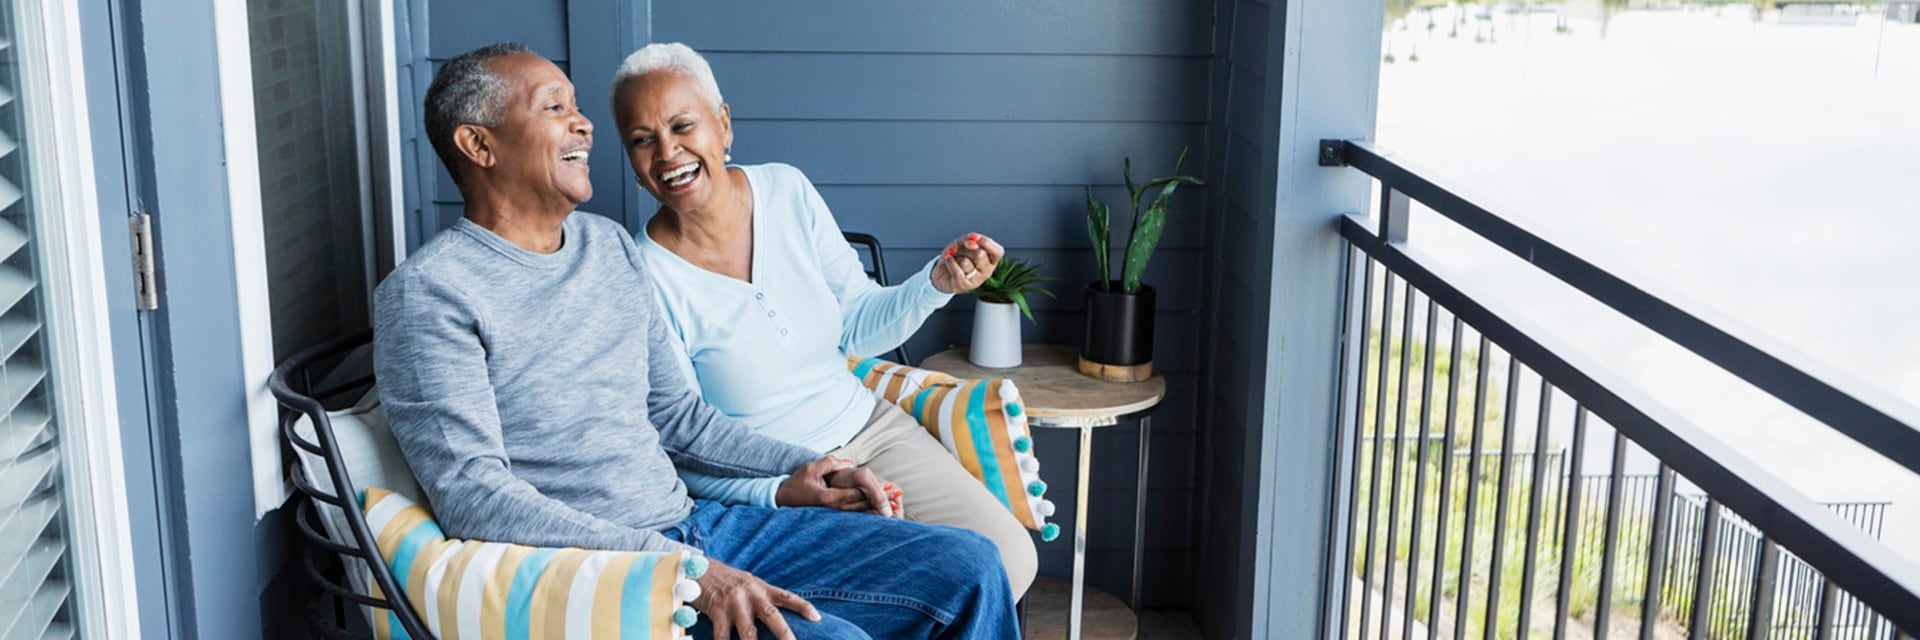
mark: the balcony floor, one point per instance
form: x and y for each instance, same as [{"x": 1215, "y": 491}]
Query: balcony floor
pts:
[{"x": 1107, "y": 618}]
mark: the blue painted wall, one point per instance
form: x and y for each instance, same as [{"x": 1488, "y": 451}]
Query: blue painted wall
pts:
[
  {"x": 118, "y": 179},
  {"x": 215, "y": 558},
  {"x": 1240, "y": 286},
  {"x": 992, "y": 116},
  {"x": 920, "y": 122},
  {"x": 1289, "y": 73}
]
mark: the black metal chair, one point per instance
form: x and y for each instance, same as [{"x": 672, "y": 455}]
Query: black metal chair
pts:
[
  {"x": 292, "y": 385},
  {"x": 878, "y": 271}
]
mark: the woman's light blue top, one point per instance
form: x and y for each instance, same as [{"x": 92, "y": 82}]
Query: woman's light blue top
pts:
[{"x": 769, "y": 353}]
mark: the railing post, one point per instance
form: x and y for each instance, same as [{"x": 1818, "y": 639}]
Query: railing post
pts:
[
  {"x": 1395, "y": 207},
  {"x": 1829, "y": 604},
  {"x": 1709, "y": 548},
  {"x": 1570, "y": 537},
  {"x": 1446, "y": 483},
  {"x": 1657, "y": 543},
  {"x": 1367, "y": 562},
  {"x": 1497, "y": 557},
  {"x": 1609, "y": 544},
  {"x": 1760, "y": 622},
  {"x": 1353, "y": 391}
]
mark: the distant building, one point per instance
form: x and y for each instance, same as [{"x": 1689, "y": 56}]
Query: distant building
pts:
[
  {"x": 1907, "y": 11},
  {"x": 1817, "y": 12}
]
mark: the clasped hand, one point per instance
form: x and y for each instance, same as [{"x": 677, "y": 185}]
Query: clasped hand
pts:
[{"x": 837, "y": 484}]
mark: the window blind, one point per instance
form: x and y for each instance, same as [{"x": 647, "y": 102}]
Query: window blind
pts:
[{"x": 35, "y": 590}]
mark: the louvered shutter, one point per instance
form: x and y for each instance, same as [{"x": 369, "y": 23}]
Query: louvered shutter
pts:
[{"x": 35, "y": 591}]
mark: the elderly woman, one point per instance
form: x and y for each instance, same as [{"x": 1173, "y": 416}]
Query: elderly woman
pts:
[{"x": 766, "y": 295}]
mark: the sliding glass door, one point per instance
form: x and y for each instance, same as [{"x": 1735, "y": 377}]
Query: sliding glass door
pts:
[{"x": 63, "y": 547}]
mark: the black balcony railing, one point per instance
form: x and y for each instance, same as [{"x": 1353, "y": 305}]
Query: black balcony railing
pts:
[{"x": 1448, "y": 524}]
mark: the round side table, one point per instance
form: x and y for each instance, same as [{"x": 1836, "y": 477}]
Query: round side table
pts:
[{"x": 1057, "y": 396}]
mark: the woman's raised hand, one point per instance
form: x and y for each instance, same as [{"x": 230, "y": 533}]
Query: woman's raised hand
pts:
[{"x": 967, "y": 263}]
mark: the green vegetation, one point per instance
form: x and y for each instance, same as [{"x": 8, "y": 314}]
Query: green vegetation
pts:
[
  {"x": 1396, "y": 445},
  {"x": 1147, "y": 227},
  {"x": 1400, "y": 459},
  {"x": 1012, "y": 282}
]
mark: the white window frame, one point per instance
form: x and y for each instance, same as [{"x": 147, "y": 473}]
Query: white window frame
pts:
[
  {"x": 235, "y": 61},
  {"x": 81, "y": 342},
  {"x": 394, "y": 218},
  {"x": 234, "y": 50}
]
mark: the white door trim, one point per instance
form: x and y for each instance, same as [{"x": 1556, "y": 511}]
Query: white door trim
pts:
[
  {"x": 396, "y": 206},
  {"x": 234, "y": 51}
]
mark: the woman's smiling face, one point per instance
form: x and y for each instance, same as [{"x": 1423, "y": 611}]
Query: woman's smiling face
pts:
[{"x": 675, "y": 141}]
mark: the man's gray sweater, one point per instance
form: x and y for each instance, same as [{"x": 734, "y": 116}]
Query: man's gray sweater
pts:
[{"x": 535, "y": 395}]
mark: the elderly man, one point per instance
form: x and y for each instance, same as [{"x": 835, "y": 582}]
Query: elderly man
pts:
[{"x": 527, "y": 374}]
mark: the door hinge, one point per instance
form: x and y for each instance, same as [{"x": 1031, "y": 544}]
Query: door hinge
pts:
[{"x": 146, "y": 283}]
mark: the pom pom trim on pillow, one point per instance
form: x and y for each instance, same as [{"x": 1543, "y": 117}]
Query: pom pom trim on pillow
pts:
[
  {"x": 473, "y": 590},
  {"x": 981, "y": 422}
]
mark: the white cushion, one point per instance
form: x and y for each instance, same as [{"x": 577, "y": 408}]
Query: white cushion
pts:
[{"x": 372, "y": 459}]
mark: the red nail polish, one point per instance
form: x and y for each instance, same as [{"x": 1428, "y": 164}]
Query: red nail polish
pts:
[
  {"x": 972, "y": 245},
  {"x": 973, "y": 236}
]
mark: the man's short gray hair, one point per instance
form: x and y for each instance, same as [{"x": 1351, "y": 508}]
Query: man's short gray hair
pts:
[
  {"x": 466, "y": 91},
  {"x": 674, "y": 57}
]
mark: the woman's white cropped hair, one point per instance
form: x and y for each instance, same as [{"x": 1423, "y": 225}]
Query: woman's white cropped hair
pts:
[{"x": 673, "y": 57}]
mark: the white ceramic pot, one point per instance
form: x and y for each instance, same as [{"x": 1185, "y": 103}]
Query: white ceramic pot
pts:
[{"x": 996, "y": 335}]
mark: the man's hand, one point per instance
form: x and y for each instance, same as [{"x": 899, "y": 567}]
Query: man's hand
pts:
[
  {"x": 836, "y": 484},
  {"x": 734, "y": 599},
  {"x": 882, "y": 497}
]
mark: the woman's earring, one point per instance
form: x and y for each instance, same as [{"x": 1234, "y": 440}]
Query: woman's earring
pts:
[{"x": 727, "y": 156}]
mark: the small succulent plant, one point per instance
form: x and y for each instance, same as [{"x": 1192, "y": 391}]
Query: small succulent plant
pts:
[
  {"x": 1147, "y": 227},
  {"x": 1012, "y": 281}
]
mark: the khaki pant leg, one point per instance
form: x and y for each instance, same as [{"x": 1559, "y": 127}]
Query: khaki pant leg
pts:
[{"x": 938, "y": 490}]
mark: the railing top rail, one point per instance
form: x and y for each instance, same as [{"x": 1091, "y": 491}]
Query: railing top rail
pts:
[
  {"x": 1853, "y": 408},
  {"x": 1887, "y": 582}
]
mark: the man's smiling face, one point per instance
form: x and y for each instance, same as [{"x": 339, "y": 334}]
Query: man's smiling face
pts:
[{"x": 542, "y": 140}]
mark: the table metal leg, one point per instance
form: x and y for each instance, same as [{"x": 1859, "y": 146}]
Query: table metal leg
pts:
[
  {"x": 1140, "y": 513},
  {"x": 1080, "y": 534}
]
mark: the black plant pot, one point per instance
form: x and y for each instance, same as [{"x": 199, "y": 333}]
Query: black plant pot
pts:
[{"x": 1119, "y": 344}]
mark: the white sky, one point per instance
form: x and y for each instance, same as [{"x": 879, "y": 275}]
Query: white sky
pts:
[{"x": 1768, "y": 171}]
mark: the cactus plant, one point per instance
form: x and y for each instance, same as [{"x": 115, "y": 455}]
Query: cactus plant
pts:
[
  {"x": 1144, "y": 235},
  {"x": 1097, "y": 229}
]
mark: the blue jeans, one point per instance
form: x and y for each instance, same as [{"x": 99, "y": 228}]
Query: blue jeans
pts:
[{"x": 870, "y": 577}]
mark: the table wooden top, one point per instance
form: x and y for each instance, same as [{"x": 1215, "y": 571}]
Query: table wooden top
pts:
[{"x": 1052, "y": 386}]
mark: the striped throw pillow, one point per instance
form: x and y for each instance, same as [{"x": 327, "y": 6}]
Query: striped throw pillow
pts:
[
  {"x": 981, "y": 422},
  {"x": 474, "y": 590}
]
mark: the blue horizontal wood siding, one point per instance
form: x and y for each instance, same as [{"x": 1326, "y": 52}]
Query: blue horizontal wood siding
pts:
[
  {"x": 462, "y": 25},
  {"x": 976, "y": 87},
  {"x": 1240, "y": 288},
  {"x": 1065, "y": 27},
  {"x": 923, "y": 121}
]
